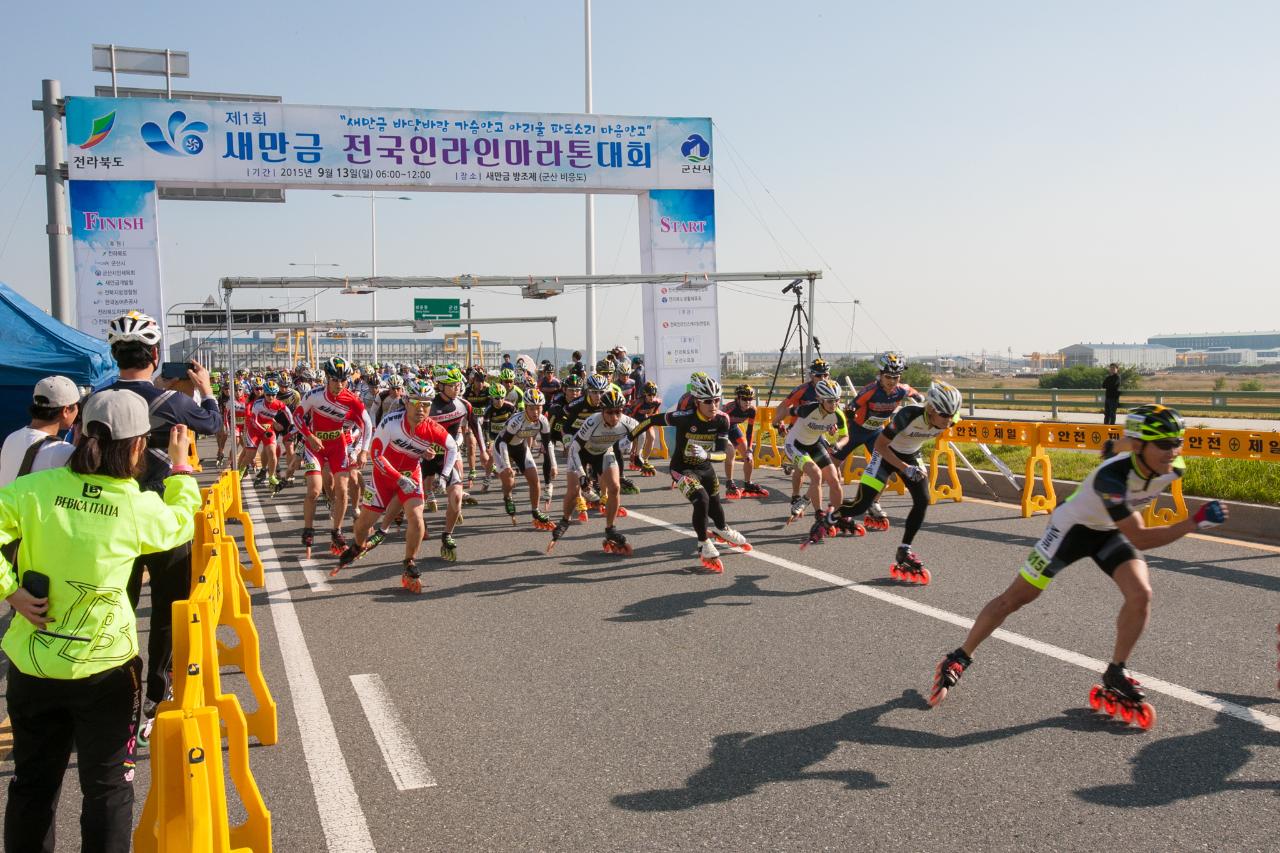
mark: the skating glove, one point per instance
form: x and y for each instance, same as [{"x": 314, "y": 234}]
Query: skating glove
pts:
[
  {"x": 695, "y": 453},
  {"x": 914, "y": 473},
  {"x": 1210, "y": 515}
]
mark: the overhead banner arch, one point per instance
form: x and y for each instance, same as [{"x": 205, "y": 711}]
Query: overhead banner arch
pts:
[{"x": 666, "y": 162}]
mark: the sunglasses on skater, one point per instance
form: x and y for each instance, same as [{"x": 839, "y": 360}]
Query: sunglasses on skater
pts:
[{"x": 1168, "y": 443}]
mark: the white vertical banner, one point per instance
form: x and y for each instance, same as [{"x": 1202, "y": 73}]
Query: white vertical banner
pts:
[
  {"x": 681, "y": 323},
  {"x": 117, "y": 257}
]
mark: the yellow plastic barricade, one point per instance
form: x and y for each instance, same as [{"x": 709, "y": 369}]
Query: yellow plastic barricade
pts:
[
  {"x": 659, "y": 449},
  {"x": 193, "y": 458},
  {"x": 766, "y": 450},
  {"x": 186, "y": 786}
]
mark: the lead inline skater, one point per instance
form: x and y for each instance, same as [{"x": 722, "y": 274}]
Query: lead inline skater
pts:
[{"x": 1102, "y": 520}]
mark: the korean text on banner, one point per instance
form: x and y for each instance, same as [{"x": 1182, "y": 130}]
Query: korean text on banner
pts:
[
  {"x": 195, "y": 143},
  {"x": 117, "y": 262}
]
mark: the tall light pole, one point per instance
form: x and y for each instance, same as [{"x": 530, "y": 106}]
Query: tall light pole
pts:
[
  {"x": 591, "y": 208},
  {"x": 373, "y": 242}
]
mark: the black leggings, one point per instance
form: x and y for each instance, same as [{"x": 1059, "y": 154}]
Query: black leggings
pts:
[
  {"x": 880, "y": 470},
  {"x": 704, "y": 495}
]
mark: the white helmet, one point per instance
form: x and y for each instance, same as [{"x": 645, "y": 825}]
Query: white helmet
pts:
[
  {"x": 827, "y": 390},
  {"x": 134, "y": 327},
  {"x": 703, "y": 387},
  {"x": 425, "y": 392},
  {"x": 944, "y": 398},
  {"x": 396, "y": 381}
]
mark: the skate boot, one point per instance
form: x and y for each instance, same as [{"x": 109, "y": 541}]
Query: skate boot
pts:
[
  {"x": 412, "y": 578},
  {"x": 626, "y": 486},
  {"x": 591, "y": 498},
  {"x": 615, "y": 542},
  {"x": 376, "y": 538},
  {"x": 846, "y": 523},
  {"x": 510, "y": 504},
  {"x": 732, "y": 538},
  {"x": 788, "y": 469},
  {"x": 348, "y": 556},
  {"x": 582, "y": 508},
  {"x": 817, "y": 532},
  {"x": 948, "y": 675},
  {"x": 448, "y": 548},
  {"x": 907, "y": 567},
  {"x": 337, "y": 543},
  {"x": 710, "y": 557},
  {"x": 1120, "y": 693},
  {"x": 245, "y": 472},
  {"x": 647, "y": 469},
  {"x": 432, "y": 504},
  {"x": 485, "y": 481},
  {"x": 467, "y": 500},
  {"x": 751, "y": 490},
  {"x": 471, "y": 477},
  {"x": 274, "y": 482},
  {"x": 308, "y": 539},
  {"x": 556, "y": 532},
  {"x": 798, "y": 504},
  {"x": 731, "y": 491},
  {"x": 221, "y": 461},
  {"x": 542, "y": 521},
  {"x": 876, "y": 518},
  {"x": 261, "y": 477}
]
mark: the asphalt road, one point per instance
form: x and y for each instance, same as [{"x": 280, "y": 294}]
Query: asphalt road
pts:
[{"x": 583, "y": 701}]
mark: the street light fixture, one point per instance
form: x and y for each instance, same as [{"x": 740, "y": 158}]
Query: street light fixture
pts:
[{"x": 373, "y": 261}]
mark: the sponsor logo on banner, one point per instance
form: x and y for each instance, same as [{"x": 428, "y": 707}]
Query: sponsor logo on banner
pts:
[
  {"x": 100, "y": 130},
  {"x": 696, "y": 149},
  {"x": 181, "y": 139}
]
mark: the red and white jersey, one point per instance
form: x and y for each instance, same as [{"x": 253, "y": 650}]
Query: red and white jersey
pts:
[
  {"x": 241, "y": 407},
  {"x": 262, "y": 415},
  {"x": 323, "y": 415},
  {"x": 398, "y": 448}
]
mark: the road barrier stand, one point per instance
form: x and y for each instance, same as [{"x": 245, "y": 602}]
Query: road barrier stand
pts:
[
  {"x": 660, "y": 449},
  {"x": 766, "y": 449},
  {"x": 193, "y": 458},
  {"x": 186, "y": 807},
  {"x": 856, "y": 465}
]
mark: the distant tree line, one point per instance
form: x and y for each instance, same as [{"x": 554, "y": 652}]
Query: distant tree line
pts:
[{"x": 1088, "y": 377}]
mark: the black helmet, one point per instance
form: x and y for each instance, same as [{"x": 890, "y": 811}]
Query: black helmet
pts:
[
  {"x": 1154, "y": 422},
  {"x": 337, "y": 368}
]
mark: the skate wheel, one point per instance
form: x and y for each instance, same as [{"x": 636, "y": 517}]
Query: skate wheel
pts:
[
  {"x": 1126, "y": 712},
  {"x": 1108, "y": 704},
  {"x": 745, "y": 546},
  {"x": 1145, "y": 716},
  {"x": 925, "y": 577},
  {"x": 582, "y": 516},
  {"x": 895, "y": 573},
  {"x": 334, "y": 572},
  {"x": 1095, "y": 697}
]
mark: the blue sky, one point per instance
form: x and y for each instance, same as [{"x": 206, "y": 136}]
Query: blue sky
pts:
[{"x": 981, "y": 175}]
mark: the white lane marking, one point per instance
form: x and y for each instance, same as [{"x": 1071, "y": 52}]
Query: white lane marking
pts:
[
  {"x": 1168, "y": 688},
  {"x": 394, "y": 738},
  {"x": 343, "y": 822}
]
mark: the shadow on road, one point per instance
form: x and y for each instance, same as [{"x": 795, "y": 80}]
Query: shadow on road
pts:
[
  {"x": 743, "y": 762},
  {"x": 677, "y": 604},
  {"x": 1194, "y": 765}
]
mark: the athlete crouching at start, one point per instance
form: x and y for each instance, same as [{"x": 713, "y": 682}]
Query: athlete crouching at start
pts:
[
  {"x": 402, "y": 441},
  {"x": 1102, "y": 520},
  {"x": 592, "y": 453},
  {"x": 702, "y": 435}
]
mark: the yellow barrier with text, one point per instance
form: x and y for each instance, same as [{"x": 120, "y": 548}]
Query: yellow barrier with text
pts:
[{"x": 186, "y": 805}]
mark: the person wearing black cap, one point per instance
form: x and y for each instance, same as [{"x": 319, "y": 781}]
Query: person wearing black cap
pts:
[
  {"x": 54, "y": 407},
  {"x": 75, "y": 679}
]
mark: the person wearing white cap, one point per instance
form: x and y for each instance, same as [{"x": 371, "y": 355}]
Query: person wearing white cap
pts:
[
  {"x": 54, "y": 407},
  {"x": 75, "y": 678}
]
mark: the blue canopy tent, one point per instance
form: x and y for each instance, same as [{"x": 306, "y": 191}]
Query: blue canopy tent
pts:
[{"x": 34, "y": 345}]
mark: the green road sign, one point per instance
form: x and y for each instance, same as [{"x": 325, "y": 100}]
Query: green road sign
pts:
[{"x": 437, "y": 309}]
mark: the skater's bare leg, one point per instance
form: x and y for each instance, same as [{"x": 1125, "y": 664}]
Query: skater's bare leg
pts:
[
  {"x": 1019, "y": 594},
  {"x": 1135, "y": 583}
]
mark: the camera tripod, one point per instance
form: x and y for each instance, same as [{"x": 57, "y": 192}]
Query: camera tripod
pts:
[{"x": 798, "y": 325}]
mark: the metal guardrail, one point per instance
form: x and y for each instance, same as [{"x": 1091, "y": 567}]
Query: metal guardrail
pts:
[{"x": 1204, "y": 403}]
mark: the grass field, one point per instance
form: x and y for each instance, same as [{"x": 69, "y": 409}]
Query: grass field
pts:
[{"x": 1226, "y": 479}]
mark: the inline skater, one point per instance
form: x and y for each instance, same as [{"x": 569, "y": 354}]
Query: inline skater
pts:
[
  {"x": 1102, "y": 520},
  {"x": 592, "y": 453},
  {"x": 477, "y": 395},
  {"x": 570, "y": 421},
  {"x": 741, "y": 411},
  {"x": 511, "y": 453},
  {"x": 701, "y": 438},
  {"x": 497, "y": 411},
  {"x": 647, "y": 406},
  {"x": 897, "y": 450},
  {"x": 871, "y": 408},
  {"x": 818, "y": 371},
  {"x": 451, "y": 411},
  {"x": 321, "y": 417},
  {"x": 401, "y": 443},
  {"x": 806, "y": 450},
  {"x": 390, "y": 399},
  {"x": 287, "y": 431},
  {"x": 548, "y": 383},
  {"x": 253, "y": 437}
]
